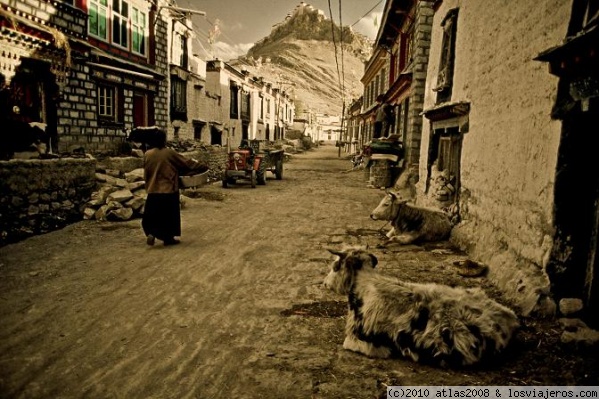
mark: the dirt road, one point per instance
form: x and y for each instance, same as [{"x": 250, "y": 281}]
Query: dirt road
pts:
[{"x": 237, "y": 310}]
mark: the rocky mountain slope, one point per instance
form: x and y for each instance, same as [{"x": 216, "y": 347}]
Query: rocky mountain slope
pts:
[{"x": 301, "y": 57}]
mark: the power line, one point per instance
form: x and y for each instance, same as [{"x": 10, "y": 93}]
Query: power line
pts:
[
  {"x": 368, "y": 12},
  {"x": 342, "y": 64},
  {"x": 335, "y": 45}
]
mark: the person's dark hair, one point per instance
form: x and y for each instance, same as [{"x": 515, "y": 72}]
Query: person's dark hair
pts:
[
  {"x": 157, "y": 138},
  {"x": 160, "y": 138}
]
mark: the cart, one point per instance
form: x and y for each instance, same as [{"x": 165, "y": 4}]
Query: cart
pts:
[{"x": 271, "y": 160}]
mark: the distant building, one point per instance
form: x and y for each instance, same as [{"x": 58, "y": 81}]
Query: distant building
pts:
[{"x": 250, "y": 107}]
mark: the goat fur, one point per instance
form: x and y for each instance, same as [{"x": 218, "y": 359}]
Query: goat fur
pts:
[
  {"x": 411, "y": 223},
  {"x": 428, "y": 323}
]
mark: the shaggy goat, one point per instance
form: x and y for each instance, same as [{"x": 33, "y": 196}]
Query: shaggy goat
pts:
[
  {"x": 411, "y": 223},
  {"x": 428, "y": 323}
]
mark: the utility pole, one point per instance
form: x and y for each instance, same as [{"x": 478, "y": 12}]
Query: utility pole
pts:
[
  {"x": 341, "y": 131},
  {"x": 280, "y": 83}
]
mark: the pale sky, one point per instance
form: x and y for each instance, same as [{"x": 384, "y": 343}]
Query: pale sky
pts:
[{"x": 243, "y": 22}]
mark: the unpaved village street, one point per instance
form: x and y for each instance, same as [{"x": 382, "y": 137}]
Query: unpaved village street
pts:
[{"x": 237, "y": 310}]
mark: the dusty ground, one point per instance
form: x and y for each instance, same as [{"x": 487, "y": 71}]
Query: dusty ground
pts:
[{"x": 237, "y": 310}]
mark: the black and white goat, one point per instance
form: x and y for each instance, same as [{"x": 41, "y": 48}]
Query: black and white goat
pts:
[{"x": 428, "y": 323}]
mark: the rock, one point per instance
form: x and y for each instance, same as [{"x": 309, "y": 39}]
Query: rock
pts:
[
  {"x": 95, "y": 203},
  {"x": 120, "y": 196},
  {"x": 101, "y": 177},
  {"x": 135, "y": 203},
  {"x": 137, "y": 153},
  {"x": 136, "y": 185},
  {"x": 122, "y": 183},
  {"x": 103, "y": 193},
  {"x": 120, "y": 214},
  {"x": 134, "y": 175},
  {"x": 101, "y": 213},
  {"x": 110, "y": 180},
  {"x": 582, "y": 338},
  {"x": 105, "y": 209},
  {"x": 571, "y": 324},
  {"x": 470, "y": 268},
  {"x": 569, "y": 306},
  {"x": 113, "y": 172},
  {"x": 89, "y": 213}
]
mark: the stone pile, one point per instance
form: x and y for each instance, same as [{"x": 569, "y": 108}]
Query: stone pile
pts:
[{"x": 120, "y": 196}]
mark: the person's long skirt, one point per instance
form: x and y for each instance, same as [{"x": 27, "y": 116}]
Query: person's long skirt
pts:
[{"x": 162, "y": 216}]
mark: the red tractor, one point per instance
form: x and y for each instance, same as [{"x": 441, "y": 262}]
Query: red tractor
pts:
[
  {"x": 242, "y": 164},
  {"x": 251, "y": 161}
]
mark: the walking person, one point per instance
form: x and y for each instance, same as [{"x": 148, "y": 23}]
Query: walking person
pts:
[{"x": 162, "y": 167}]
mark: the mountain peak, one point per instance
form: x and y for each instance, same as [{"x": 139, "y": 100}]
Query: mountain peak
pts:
[
  {"x": 324, "y": 61},
  {"x": 308, "y": 23}
]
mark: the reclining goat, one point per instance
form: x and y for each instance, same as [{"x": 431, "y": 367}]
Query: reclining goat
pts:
[
  {"x": 428, "y": 323},
  {"x": 410, "y": 223}
]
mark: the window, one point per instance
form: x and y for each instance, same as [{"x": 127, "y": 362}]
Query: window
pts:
[
  {"x": 180, "y": 53},
  {"x": 138, "y": 32},
  {"x": 405, "y": 50},
  {"x": 446, "y": 63},
  {"x": 198, "y": 127},
  {"x": 245, "y": 106},
  {"x": 120, "y": 16},
  {"x": 444, "y": 163},
  {"x": 449, "y": 150},
  {"x": 110, "y": 104},
  {"x": 184, "y": 56},
  {"x": 178, "y": 98},
  {"x": 98, "y": 11},
  {"x": 234, "y": 104},
  {"x": 261, "y": 107}
]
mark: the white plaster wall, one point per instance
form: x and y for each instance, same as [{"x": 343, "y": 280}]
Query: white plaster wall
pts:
[{"x": 509, "y": 153}]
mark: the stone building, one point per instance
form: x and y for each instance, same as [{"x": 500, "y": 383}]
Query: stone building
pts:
[
  {"x": 404, "y": 37},
  {"x": 491, "y": 146},
  {"x": 250, "y": 108},
  {"x": 397, "y": 71},
  {"x": 89, "y": 70}
]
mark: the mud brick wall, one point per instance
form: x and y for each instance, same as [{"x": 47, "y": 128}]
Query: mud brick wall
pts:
[
  {"x": 38, "y": 196},
  {"x": 216, "y": 157},
  {"x": 509, "y": 151}
]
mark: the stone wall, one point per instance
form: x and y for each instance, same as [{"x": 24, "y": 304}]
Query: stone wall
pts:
[
  {"x": 215, "y": 157},
  {"x": 421, "y": 44},
  {"x": 39, "y": 196}
]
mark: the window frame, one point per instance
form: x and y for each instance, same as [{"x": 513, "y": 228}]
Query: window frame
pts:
[
  {"x": 178, "y": 98},
  {"x": 444, "y": 84},
  {"x": 234, "y": 101},
  {"x": 106, "y": 11},
  {"x": 116, "y": 114},
  {"x": 139, "y": 28},
  {"x": 118, "y": 17}
]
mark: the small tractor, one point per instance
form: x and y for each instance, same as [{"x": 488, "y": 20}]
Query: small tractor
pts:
[{"x": 251, "y": 161}]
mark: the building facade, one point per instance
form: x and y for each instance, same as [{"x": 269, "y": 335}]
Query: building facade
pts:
[
  {"x": 251, "y": 109},
  {"x": 493, "y": 152},
  {"x": 87, "y": 70},
  {"x": 397, "y": 72}
]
